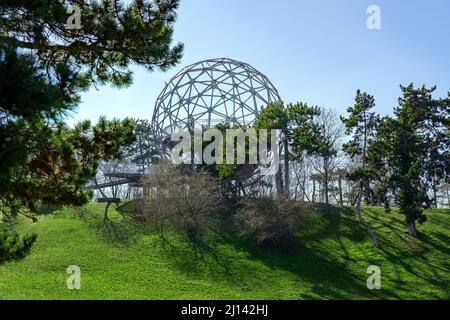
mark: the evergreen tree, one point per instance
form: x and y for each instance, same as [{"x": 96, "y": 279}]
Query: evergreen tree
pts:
[
  {"x": 46, "y": 61},
  {"x": 12, "y": 246},
  {"x": 52, "y": 163},
  {"x": 98, "y": 38},
  {"x": 275, "y": 116},
  {"x": 45, "y": 64},
  {"x": 143, "y": 151},
  {"x": 416, "y": 143},
  {"x": 362, "y": 124},
  {"x": 299, "y": 133}
]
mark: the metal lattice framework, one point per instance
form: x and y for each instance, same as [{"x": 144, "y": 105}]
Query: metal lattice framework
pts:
[{"x": 210, "y": 92}]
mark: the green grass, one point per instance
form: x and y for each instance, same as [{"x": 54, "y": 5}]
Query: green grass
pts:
[{"x": 121, "y": 261}]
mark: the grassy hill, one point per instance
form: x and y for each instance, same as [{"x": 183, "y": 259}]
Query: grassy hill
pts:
[{"x": 119, "y": 260}]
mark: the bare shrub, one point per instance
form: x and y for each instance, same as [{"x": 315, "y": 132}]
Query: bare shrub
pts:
[
  {"x": 189, "y": 202},
  {"x": 273, "y": 223}
]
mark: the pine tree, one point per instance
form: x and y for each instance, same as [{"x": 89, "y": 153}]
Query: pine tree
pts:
[
  {"x": 299, "y": 133},
  {"x": 45, "y": 65},
  {"x": 275, "y": 116},
  {"x": 143, "y": 152},
  {"x": 362, "y": 124},
  {"x": 416, "y": 142},
  {"x": 110, "y": 36},
  {"x": 12, "y": 246}
]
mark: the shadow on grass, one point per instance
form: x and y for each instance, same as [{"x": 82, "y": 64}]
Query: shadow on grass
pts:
[
  {"x": 330, "y": 274},
  {"x": 336, "y": 223},
  {"x": 442, "y": 237},
  {"x": 120, "y": 228},
  {"x": 123, "y": 232},
  {"x": 331, "y": 279},
  {"x": 197, "y": 257},
  {"x": 227, "y": 257},
  {"x": 129, "y": 207},
  {"x": 48, "y": 209},
  {"x": 328, "y": 277},
  {"x": 411, "y": 256}
]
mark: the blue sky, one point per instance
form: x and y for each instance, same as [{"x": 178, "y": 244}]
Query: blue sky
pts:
[{"x": 315, "y": 51}]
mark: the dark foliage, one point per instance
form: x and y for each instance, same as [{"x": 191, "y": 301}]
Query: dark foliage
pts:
[{"x": 13, "y": 247}]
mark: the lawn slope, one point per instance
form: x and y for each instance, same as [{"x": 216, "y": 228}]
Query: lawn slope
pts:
[{"x": 118, "y": 260}]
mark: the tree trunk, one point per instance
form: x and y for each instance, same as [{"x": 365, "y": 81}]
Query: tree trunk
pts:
[
  {"x": 370, "y": 231},
  {"x": 314, "y": 191},
  {"x": 279, "y": 181},
  {"x": 279, "y": 177},
  {"x": 304, "y": 192},
  {"x": 325, "y": 187},
  {"x": 341, "y": 200},
  {"x": 105, "y": 216},
  {"x": 286, "y": 167},
  {"x": 412, "y": 231},
  {"x": 434, "y": 186},
  {"x": 142, "y": 153},
  {"x": 448, "y": 197}
]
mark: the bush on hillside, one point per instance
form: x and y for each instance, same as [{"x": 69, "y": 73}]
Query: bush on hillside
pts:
[
  {"x": 190, "y": 202},
  {"x": 13, "y": 247},
  {"x": 273, "y": 223}
]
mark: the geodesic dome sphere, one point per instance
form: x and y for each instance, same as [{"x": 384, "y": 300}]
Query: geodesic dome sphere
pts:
[{"x": 210, "y": 92}]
